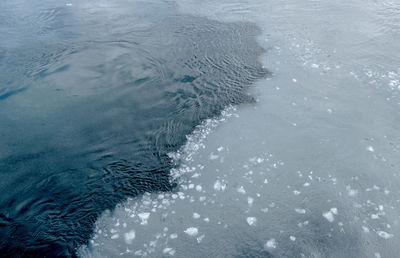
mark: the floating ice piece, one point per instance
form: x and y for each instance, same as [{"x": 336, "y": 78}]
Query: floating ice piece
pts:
[
  {"x": 200, "y": 238},
  {"x": 144, "y": 216},
  {"x": 219, "y": 186},
  {"x": 199, "y": 188},
  {"x": 213, "y": 156},
  {"x": 365, "y": 229},
  {"x": 384, "y": 234},
  {"x": 173, "y": 236},
  {"x": 292, "y": 238},
  {"x": 295, "y": 192},
  {"x": 241, "y": 190},
  {"x": 370, "y": 148},
  {"x": 251, "y": 220},
  {"x": 192, "y": 231},
  {"x": 220, "y": 149},
  {"x": 250, "y": 201},
  {"x": 265, "y": 181},
  {"x": 351, "y": 192},
  {"x": 270, "y": 244},
  {"x": 169, "y": 250},
  {"x": 116, "y": 236},
  {"x": 329, "y": 215},
  {"x": 300, "y": 210},
  {"x": 294, "y": 80},
  {"x": 196, "y": 215},
  {"x": 130, "y": 236},
  {"x": 374, "y": 216},
  {"x": 314, "y": 65}
]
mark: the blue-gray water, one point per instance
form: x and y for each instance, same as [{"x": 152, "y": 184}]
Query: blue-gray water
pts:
[
  {"x": 186, "y": 128},
  {"x": 92, "y": 99}
]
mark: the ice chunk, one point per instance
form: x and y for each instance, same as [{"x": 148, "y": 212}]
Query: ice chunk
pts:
[
  {"x": 270, "y": 244},
  {"x": 192, "y": 231},
  {"x": 144, "y": 216},
  {"x": 196, "y": 215},
  {"x": 241, "y": 190},
  {"x": 329, "y": 216},
  {"x": 219, "y": 186},
  {"x": 130, "y": 236},
  {"x": 292, "y": 238},
  {"x": 370, "y": 148},
  {"x": 169, "y": 250},
  {"x": 384, "y": 234},
  {"x": 300, "y": 210},
  {"x": 250, "y": 201},
  {"x": 251, "y": 220}
]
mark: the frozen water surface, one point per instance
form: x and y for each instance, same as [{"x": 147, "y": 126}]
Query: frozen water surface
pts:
[{"x": 312, "y": 167}]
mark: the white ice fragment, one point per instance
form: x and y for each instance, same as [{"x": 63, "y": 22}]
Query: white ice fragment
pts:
[
  {"x": 265, "y": 181},
  {"x": 329, "y": 111},
  {"x": 219, "y": 186},
  {"x": 199, "y": 188},
  {"x": 374, "y": 216},
  {"x": 370, "y": 148},
  {"x": 314, "y": 66},
  {"x": 191, "y": 186},
  {"x": 144, "y": 216},
  {"x": 377, "y": 255},
  {"x": 200, "y": 238},
  {"x": 292, "y": 238},
  {"x": 173, "y": 236},
  {"x": 306, "y": 184},
  {"x": 295, "y": 192},
  {"x": 213, "y": 156},
  {"x": 116, "y": 236},
  {"x": 241, "y": 190},
  {"x": 270, "y": 244},
  {"x": 250, "y": 201},
  {"x": 169, "y": 250},
  {"x": 300, "y": 210},
  {"x": 265, "y": 210},
  {"x": 329, "y": 216},
  {"x": 129, "y": 236},
  {"x": 294, "y": 80},
  {"x": 365, "y": 229},
  {"x": 220, "y": 149},
  {"x": 334, "y": 211},
  {"x": 384, "y": 234},
  {"x": 206, "y": 220},
  {"x": 192, "y": 231},
  {"x": 251, "y": 220},
  {"x": 196, "y": 215}
]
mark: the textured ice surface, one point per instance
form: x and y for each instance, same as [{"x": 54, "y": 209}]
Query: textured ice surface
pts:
[{"x": 312, "y": 166}]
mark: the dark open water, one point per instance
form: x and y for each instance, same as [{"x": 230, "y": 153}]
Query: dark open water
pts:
[{"x": 92, "y": 98}]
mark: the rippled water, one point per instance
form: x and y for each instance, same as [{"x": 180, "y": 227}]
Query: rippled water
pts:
[
  {"x": 122, "y": 134},
  {"x": 93, "y": 97}
]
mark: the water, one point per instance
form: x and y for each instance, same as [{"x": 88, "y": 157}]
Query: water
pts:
[
  {"x": 93, "y": 98},
  {"x": 308, "y": 169}
]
